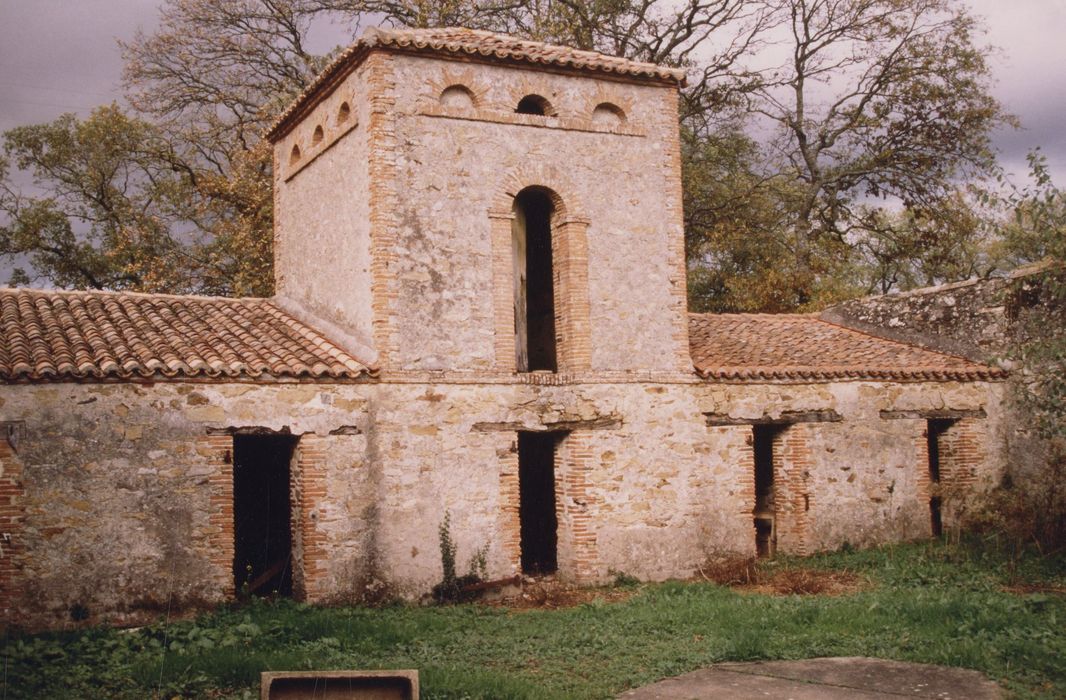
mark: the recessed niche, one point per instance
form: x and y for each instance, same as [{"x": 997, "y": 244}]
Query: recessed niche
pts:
[
  {"x": 608, "y": 116},
  {"x": 535, "y": 104},
  {"x": 457, "y": 97}
]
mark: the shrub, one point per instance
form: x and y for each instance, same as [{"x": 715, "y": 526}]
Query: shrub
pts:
[{"x": 452, "y": 588}]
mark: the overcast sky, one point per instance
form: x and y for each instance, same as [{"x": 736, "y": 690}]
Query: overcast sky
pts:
[{"x": 61, "y": 56}]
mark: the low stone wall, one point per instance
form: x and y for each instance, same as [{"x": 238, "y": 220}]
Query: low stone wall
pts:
[
  {"x": 975, "y": 318},
  {"x": 965, "y": 318},
  {"x": 117, "y": 498}
]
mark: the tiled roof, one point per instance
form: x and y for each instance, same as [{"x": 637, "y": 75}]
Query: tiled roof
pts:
[
  {"x": 48, "y": 335},
  {"x": 794, "y": 346},
  {"x": 458, "y": 41}
]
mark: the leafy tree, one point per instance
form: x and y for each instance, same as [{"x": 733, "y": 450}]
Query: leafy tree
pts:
[
  {"x": 103, "y": 222},
  {"x": 877, "y": 101},
  {"x": 124, "y": 210},
  {"x": 783, "y": 204},
  {"x": 1030, "y": 505},
  {"x": 1037, "y": 232},
  {"x": 924, "y": 246}
]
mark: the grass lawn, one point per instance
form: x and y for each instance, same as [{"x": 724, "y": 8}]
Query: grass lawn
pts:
[{"x": 932, "y": 603}]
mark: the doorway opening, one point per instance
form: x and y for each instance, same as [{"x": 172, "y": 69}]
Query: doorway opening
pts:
[
  {"x": 536, "y": 504},
  {"x": 765, "y": 510},
  {"x": 934, "y": 431},
  {"x": 262, "y": 514},
  {"x": 534, "y": 291}
]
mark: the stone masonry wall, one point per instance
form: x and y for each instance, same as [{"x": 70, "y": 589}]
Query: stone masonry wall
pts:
[
  {"x": 397, "y": 223},
  {"x": 127, "y": 489},
  {"x": 457, "y": 168},
  {"x": 984, "y": 320},
  {"x": 322, "y": 257},
  {"x": 126, "y": 507}
]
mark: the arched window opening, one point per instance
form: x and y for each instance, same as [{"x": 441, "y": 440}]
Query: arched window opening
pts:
[
  {"x": 343, "y": 113},
  {"x": 535, "y": 104},
  {"x": 317, "y": 137},
  {"x": 607, "y": 115},
  {"x": 294, "y": 156},
  {"x": 457, "y": 97},
  {"x": 534, "y": 292}
]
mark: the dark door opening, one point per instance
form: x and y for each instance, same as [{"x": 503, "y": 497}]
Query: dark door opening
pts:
[
  {"x": 765, "y": 507},
  {"x": 536, "y": 510},
  {"x": 534, "y": 287},
  {"x": 934, "y": 430},
  {"x": 262, "y": 514}
]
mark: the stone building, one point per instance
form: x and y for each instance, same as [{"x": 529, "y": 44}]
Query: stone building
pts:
[{"x": 480, "y": 312}]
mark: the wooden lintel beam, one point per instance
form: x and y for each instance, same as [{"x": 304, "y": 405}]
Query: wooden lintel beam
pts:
[
  {"x": 785, "y": 418},
  {"x": 610, "y": 422},
  {"x": 11, "y": 430},
  {"x": 935, "y": 414}
]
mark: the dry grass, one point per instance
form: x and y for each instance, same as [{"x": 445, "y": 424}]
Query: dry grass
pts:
[
  {"x": 549, "y": 594},
  {"x": 750, "y": 575},
  {"x": 1035, "y": 588}
]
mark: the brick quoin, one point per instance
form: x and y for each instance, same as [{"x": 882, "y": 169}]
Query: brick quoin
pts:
[
  {"x": 923, "y": 482},
  {"x": 383, "y": 202},
  {"x": 311, "y": 476},
  {"x": 576, "y": 506},
  {"x": 745, "y": 478},
  {"x": 12, "y": 520},
  {"x": 219, "y": 450},
  {"x": 510, "y": 503},
  {"x": 792, "y": 464}
]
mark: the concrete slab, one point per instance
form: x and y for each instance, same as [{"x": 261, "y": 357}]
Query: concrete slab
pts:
[{"x": 822, "y": 679}]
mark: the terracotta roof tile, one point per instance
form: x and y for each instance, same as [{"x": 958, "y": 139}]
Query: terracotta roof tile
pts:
[
  {"x": 794, "y": 346},
  {"x": 459, "y": 41},
  {"x": 46, "y": 335}
]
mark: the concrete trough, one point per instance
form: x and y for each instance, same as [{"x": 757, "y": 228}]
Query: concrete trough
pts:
[{"x": 340, "y": 685}]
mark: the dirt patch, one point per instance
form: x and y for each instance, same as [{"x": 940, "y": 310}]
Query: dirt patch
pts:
[
  {"x": 750, "y": 575},
  {"x": 550, "y": 594}
]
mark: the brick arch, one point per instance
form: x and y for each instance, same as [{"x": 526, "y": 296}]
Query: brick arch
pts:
[
  {"x": 611, "y": 96},
  {"x": 449, "y": 78},
  {"x": 566, "y": 205},
  {"x": 570, "y": 259}
]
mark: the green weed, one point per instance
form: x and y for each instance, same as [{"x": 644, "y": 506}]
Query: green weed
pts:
[{"x": 928, "y": 602}]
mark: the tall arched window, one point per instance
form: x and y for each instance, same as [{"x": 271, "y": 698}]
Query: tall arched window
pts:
[{"x": 534, "y": 293}]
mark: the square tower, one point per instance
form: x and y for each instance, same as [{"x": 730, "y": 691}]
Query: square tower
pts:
[{"x": 465, "y": 202}]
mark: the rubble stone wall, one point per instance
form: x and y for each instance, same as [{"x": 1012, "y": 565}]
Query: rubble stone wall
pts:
[
  {"x": 974, "y": 318},
  {"x": 118, "y": 496}
]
